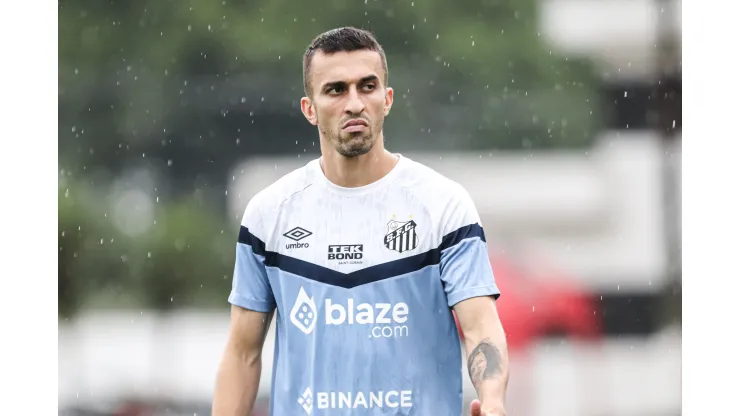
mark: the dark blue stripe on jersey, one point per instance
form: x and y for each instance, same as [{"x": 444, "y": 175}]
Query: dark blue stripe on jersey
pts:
[
  {"x": 468, "y": 231},
  {"x": 245, "y": 237},
  {"x": 363, "y": 276}
]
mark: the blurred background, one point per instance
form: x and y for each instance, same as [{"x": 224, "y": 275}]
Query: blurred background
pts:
[{"x": 562, "y": 118}]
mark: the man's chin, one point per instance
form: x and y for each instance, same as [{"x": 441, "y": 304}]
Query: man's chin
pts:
[{"x": 355, "y": 147}]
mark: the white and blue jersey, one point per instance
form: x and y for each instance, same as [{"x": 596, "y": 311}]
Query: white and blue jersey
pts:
[{"x": 363, "y": 280}]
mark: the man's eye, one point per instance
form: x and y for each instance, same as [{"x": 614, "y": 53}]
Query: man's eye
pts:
[
  {"x": 369, "y": 87},
  {"x": 335, "y": 90}
]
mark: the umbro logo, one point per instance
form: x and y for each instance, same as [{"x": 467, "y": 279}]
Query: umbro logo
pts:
[{"x": 297, "y": 234}]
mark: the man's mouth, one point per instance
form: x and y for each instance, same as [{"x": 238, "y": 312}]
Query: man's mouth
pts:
[{"x": 355, "y": 125}]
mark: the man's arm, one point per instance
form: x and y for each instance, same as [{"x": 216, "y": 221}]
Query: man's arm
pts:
[
  {"x": 239, "y": 373},
  {"x": 487, "y": 354}
]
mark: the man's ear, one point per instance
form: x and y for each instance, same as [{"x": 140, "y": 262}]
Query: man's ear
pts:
[
  {"x": 388, "y": 100},
  {"x": 308, "y": 110}
]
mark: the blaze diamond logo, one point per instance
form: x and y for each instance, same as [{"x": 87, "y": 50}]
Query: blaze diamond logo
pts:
[
  {"x": 303, "y": 314},
  {"x": 306, "y": 401},
  {"x": 384, "y": 319}
]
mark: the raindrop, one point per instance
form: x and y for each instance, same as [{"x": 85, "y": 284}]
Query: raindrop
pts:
[
  {"x": 190, "y": 28},
  {"x": 473, "y": 44},
  {"x": 625, "y": 94},
  {"x": 157, "y": 199},
  {"x": 437, "y": 35},
  {"x": 77, "y": 71},
  {"x": 149, "y": 254},
  {"x": 244, "y": 100}
]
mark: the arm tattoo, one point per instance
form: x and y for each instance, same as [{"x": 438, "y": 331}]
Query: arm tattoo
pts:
[{"x": 484, "y": 362}]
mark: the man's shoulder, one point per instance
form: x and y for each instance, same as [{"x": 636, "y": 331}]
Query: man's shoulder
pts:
[
  {"x": 430, "y": 185},
  {"x": 271, "y": 197},
  {"x": 448, "y": 203}
]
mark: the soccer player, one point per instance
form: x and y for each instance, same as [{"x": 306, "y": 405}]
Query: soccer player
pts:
[{"x": 364, "y": 254}]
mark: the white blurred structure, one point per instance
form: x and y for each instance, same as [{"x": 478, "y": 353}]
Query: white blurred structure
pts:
[
  {"x": 620, "y": 35},
  {"x": 597, "y": 213},
  {"x": 108, "y": 356}
]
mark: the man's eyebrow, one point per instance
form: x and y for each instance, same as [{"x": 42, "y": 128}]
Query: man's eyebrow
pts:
[
  {"x": 368, "y": 79},
  {"x": 363, "y": 80},
  {"x": 333, "y": 84}
]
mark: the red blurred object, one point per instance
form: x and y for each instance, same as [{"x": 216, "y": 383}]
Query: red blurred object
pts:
[{"x": 531, "y": 308}]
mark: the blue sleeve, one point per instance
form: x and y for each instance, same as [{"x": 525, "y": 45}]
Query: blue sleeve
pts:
[
  {"x": 250, "y": 286},
  {"x": 465, "y": 266}
]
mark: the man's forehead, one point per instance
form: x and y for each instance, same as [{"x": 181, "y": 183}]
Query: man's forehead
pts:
[{"x": 345, "y": 66}]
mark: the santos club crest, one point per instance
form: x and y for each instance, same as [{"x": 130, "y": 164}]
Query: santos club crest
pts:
[{"x": 401, "y": 236}]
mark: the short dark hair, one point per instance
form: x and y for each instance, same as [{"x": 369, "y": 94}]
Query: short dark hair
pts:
[{"x": 343, "y": 39}]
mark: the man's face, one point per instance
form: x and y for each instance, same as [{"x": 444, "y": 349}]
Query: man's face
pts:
[{"x": 349, "y": 101}]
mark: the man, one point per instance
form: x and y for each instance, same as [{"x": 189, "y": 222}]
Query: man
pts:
[{"x": 364, "y": 254}]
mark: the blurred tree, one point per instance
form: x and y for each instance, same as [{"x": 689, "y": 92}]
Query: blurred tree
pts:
[
  {"x": 92, "y": 254},
  {"x": 187, "y": 259},
  {"x": 188, "y": 87},
  {"x": 200, "y": 82}
]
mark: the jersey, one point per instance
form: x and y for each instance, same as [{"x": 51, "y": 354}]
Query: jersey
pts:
[{"x": 363, "y": 280}]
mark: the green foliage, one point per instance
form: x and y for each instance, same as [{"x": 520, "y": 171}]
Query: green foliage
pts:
[
  {"x": 200, "y": 82},
  {"x": 92, "y": 254},
  {"x": 187, "y": 259},
  {"x": 475, "y": 72}
]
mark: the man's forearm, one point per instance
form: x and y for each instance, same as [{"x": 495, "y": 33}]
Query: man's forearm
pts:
[
  {"x": 236, "y": 385},
  {"x": 488, "y": 366}
]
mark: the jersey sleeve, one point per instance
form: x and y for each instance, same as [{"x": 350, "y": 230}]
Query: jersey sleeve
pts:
[
  {"x": 250, "y": 287},
  {"x": 465, "y": 266}
]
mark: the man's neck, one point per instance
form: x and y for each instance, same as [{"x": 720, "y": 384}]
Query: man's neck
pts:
[{"x": 352, "y": 172}]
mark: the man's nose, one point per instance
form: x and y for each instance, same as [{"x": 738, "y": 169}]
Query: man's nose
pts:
[{"x": 355, "y": 105}]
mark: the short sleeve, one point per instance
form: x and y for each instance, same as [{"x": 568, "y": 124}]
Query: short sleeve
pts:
[
  {"x": 250, "y": 288},
  {"x": 465, "y": 266}
]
